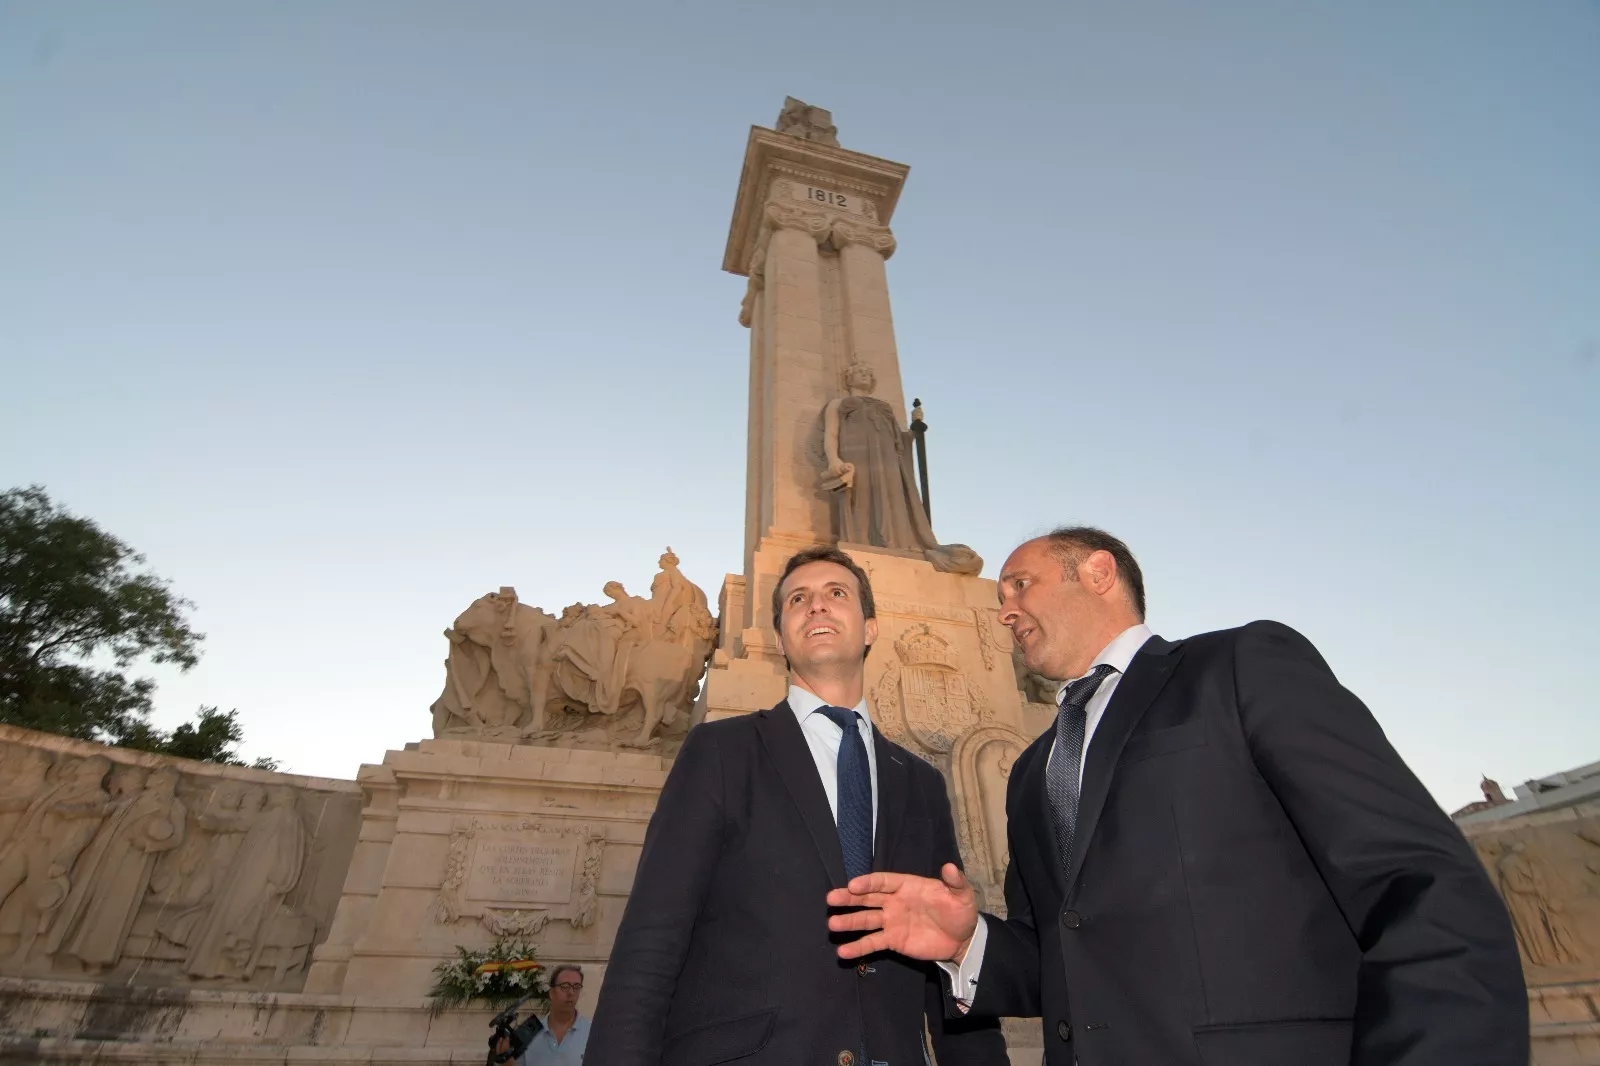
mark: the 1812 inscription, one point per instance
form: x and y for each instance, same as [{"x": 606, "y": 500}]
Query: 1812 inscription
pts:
[
  {"x": 522, "y": 869},
  {"x": 847, "y": 202}
]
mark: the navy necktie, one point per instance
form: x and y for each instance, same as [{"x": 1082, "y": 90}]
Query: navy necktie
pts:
[
  {"x": 855, "y": 794},
  {"x": 1061, "y": 775}
]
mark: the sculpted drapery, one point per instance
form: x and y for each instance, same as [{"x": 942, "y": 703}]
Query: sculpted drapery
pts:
[
  {"x": 233, "y": 934},
  {"x": 871, "y": 480},
  {"x": 112, "y": 877}
]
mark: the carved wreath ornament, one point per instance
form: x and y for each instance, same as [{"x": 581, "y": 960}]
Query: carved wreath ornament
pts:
[{"x": 452, "y": 903}]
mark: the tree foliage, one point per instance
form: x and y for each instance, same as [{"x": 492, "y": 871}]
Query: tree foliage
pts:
[{"x": 77, "y": 610}]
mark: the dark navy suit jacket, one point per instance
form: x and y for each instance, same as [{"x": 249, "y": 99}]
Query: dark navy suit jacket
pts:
[{"x": 724, "y": 953}]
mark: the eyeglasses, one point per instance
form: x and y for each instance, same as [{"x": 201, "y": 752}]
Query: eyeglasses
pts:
[{"x": 568, "y": 986}]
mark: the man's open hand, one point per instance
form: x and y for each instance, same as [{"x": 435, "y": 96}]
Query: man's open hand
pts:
[{"x": 919, "y": 917}]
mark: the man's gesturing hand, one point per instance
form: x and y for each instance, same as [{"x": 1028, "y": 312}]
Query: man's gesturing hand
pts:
[{"x": 920, "y": 917}]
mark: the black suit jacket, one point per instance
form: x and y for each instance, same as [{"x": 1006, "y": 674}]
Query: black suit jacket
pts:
[
  {"x": 1259, "y": 881},
  {"x": 724, "y": 953}
]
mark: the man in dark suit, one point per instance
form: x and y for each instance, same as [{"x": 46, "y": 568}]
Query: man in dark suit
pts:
[
  {"x": 722, "y": 955},
  {"x": 1216, "y": 857}
]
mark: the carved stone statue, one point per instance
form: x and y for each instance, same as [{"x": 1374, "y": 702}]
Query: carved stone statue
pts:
[
  {"x": 236, "y": 929},
  {"x": 1035, "y": 688},
  {"x": 498, "y": 671},
  {"x": 871, "y": 481},
  {"x": 112, "y": 877},
  {"x": 36, "y": 863},
  {"x": 516, "y": 673},
  {"x": 800, "y": 119}
]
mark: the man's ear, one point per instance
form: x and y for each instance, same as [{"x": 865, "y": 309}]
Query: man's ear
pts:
[{"x": 871, "y": 630}]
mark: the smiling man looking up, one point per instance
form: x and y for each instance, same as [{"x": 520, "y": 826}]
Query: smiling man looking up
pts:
[{"x": 723, "y": 953}]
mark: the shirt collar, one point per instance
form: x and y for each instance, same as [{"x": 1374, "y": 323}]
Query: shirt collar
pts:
[
  {"x": 804, "y": 704},
  {"x": 1117, "y": 655}
]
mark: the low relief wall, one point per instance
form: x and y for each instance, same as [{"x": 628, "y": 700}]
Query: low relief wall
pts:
[
  {"x": 130, "y": 868},
  {"x": 1546, "y": 866}
]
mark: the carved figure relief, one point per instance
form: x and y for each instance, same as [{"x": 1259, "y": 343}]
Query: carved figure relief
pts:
[
  {"x": 113, "y": 875},
  {"x": 162, "y": 876},
  {"x": 1537, "y": 915},
  {"x": 1546, "y": 867},
  {"x": 623, "y": 673},
  {"x": 36, "y": 863},
  {"x": 248, "y": 908},
  {"x": 869, "y": 478}
]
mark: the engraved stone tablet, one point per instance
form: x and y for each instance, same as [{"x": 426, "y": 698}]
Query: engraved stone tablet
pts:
[
  {"x": 519, "y": 868},
  {"x": 819, "y": 196}
]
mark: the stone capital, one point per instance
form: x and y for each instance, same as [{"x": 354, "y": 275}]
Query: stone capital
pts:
[
  {"x": 779, "y": 215},
  {"x": 878, "y": 238}
]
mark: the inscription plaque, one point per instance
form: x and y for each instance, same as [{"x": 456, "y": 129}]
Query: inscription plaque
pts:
[
  {"x": 849, "y": 202},
  {"x": 523, "y": 869}
]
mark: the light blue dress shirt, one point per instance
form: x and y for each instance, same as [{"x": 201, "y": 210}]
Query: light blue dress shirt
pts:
[{"x": 544, "y": 1051}]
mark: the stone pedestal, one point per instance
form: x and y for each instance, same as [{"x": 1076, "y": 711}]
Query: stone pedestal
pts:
[{"x": 464, "y": 841}]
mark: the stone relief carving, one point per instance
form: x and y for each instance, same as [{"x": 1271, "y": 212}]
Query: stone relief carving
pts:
[
  {"x": 521, "y": 893},
  {"x": 157, "y": 873},
  {"x": 36, "y": 863},
  {"x": 924, "y": 697},
  {"x": 800, "y": 119},
  {"x": 1035, "y": 688},
  {"x": 113, "y": 875},
  {"x": 988, "y": 643},
  {"x": 620, "y": 674},
  {"x": 1545, "y": 869},
  {"x": 870, "y": 482},
  {"x": 246, "y": 916},
  {"x": 981, "y": 763},
  {"x": 1538, "y": 915}
]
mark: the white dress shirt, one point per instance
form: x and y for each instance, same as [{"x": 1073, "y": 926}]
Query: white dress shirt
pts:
[
  {"x": 1118, "y": 654},
  {"x": 823, "y": 738}
]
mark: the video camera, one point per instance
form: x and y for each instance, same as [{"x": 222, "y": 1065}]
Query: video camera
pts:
[{"x": 504, "y": 1027}]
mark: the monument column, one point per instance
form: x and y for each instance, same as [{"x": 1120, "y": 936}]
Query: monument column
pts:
[
  {"x": 865, "y": 288},
  {"x": 792, "y": 364}
]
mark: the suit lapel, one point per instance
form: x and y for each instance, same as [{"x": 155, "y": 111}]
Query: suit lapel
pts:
[
  {"x": 786, "y": 746},
  {"x": 1147, "y": 674},
  {"x": 894, "y": 786}
]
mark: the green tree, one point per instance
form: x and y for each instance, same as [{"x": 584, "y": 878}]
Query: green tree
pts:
[
  {"x": 209, "y": 738},
  {"x": 76, "y": 612}
]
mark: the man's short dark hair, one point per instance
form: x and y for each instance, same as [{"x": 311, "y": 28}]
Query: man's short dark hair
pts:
[
  {"x": 823, "y": 553},
  {"x": 566, "y": 967},
  {"x": 1072, "y": 543}
]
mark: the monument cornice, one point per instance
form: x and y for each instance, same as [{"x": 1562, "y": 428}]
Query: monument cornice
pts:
[{"x": 770, "y": 155}]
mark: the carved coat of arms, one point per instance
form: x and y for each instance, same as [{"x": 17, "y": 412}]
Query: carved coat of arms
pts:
[{"x": 935, "y": 698}]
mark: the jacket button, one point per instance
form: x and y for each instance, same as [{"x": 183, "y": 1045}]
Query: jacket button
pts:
[
  {"x": 1063, "y": 1030},
  {"x": 1071, "y": 919}
]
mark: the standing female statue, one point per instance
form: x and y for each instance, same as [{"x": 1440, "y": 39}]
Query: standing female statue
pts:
[{"x": 871, "y": 480}]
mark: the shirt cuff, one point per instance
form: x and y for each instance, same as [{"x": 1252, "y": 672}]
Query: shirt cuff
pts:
[{"x": 964, "y": 978}]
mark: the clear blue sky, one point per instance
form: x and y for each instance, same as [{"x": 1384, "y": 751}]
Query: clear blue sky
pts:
[{"x": 348, "y": 313}]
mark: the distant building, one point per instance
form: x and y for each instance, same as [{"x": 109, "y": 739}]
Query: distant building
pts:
[{"x": 1566, "y": 789}]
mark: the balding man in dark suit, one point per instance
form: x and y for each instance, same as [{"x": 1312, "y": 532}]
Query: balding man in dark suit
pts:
[{"x": 1216, "y": 857}]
